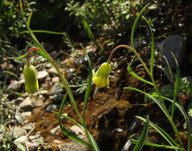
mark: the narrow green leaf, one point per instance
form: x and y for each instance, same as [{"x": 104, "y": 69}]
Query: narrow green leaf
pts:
[
  {"x": 17, "y": 58},
  {"x": 186, "y": 119},
  {"x": 90, "y": 34},
  {"x": 164, "y": 134},
  {"x": 135, "y": 25},
  {"x": 95, "y": 147},
  {"x": 154, "y": 99},
  {"x": 87, "y": 93},
  {"x": 134, "y": 141},
  {"x": 88, "y": 84},
  {"x": 17, "y": 93},
  {"x": 143, "y": 137},
  {"x": 176, "y": 84},
  {"x": 31, "y": 45},
  {"x": 69, "y": 118},
  {"x": 11, "y": 73},
  {"x": 42, "y": 52},
  {"x": 163, "y": 108},
  {"x": 152, "y": 45},
  {"x": 64, "y": 130},
  {"x": 29, "y": 21},
  {"x": 135, "y": 75},
  {"x": 42, "y": 31}
]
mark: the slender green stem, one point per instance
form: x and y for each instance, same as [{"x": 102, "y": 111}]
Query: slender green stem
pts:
[
  {"x": 132, "y": 49},
  {"x": 64, "y": 82}
]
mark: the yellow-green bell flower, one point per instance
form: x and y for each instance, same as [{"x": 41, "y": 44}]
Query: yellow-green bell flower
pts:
[
  {"x": 31, "y": 81},
  {"x": 101, "y": 77}
]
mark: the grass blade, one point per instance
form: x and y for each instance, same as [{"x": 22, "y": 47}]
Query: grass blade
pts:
[
  {"x": 43, "y": 31},
  {"x": 17, "y": 58},
  {"x": 160, "y": 131},
  {"x": 134, "y": 141},
  {"x": 64, "y": 130},
  {"x": 16, "y": 93},
  {"x": 176, "y": 85},
  {"x": 186, "y": 119},
  {"x": 90, "y": 34},
  {"x": 152, "y": 45},
  {"x": 135, "y": 25},
  {"x": 143, "y": 137},
  {"x": 87, "y": 93},
  {"x": 11, "y": 73},
  {"x": 135, "y": 75},
  {"x": 163, "y": 108}
]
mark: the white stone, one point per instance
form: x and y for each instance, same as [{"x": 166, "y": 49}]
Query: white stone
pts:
[
  {"x": 77, "y": 130},
  {"x": 55, "y": 131},
  {"x": 55, "y": 79},
  {"x": 26, "y": 115},
  {"x": 18, "y": 131},
  {"x": 42, "y": 74},
  {"x": 48, "y": 65},
  {"x": 52, "y": 70},
  {"x": 21, "y": 140}
]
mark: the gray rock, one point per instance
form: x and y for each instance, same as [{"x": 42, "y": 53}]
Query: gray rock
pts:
[
  {"x": 52, "y": 107},
  {"x": 81, "y": 60},
  {"x": 15, "y": 86},
  {"x": 57, "y": 89},
  {"x": 57, "y": 99},
  {"x": 176, "y": 45},
  {"x": 72, "y": 146},
  {"x": 57, "y": 94},
  {"x": 26, "y": 105}
]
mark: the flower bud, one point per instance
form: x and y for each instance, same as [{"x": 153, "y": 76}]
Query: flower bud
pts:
[
  {"x": 101, "y": 77},
  {"x": 31, "y": 81}
]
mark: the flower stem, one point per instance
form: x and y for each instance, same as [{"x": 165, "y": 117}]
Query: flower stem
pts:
[
  {"x": 29, "y": 51},
  {"x": 135, "y": 52}
]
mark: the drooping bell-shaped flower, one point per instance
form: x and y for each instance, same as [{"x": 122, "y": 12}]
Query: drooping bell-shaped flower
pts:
[
  {"x": 101, "y": 77},
  {"x": 31, "y": 81}
]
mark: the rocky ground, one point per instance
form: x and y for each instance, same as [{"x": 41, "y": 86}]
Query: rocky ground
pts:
[{"x": 110, "y": 114}]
